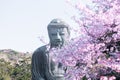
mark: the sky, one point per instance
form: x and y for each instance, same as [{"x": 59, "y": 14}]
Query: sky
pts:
[{"x": 22, "y": 22}]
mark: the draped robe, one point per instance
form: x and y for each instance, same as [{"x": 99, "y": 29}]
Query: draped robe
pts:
[{"x": 43, "y": 68}]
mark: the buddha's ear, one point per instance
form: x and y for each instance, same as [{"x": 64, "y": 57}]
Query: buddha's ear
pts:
[{"x": 68, "y": 35}]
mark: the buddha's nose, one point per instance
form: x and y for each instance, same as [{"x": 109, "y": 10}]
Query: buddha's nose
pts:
[{"x": 58, "y": 37}]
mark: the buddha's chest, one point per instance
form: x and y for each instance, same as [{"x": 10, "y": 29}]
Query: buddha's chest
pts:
[{"x": 56, "y": 68}]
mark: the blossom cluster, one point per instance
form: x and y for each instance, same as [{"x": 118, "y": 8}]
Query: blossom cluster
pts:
[{"x": 95, "y": 54}]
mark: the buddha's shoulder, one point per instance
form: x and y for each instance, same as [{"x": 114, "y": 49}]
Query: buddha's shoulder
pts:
[{"x": 41, "y": 49}]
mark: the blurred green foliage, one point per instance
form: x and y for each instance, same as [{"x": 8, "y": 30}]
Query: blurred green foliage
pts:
[{"x": 20, "y": 70}]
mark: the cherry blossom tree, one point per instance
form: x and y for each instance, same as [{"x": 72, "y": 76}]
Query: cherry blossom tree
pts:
[{"x": 95, "y": 55}]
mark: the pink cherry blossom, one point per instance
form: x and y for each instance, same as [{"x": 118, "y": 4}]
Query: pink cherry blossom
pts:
[{"x": 96, "y": 53}]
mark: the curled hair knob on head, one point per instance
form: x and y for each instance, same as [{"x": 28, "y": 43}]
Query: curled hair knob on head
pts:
[{"x": 58, "y": 23}]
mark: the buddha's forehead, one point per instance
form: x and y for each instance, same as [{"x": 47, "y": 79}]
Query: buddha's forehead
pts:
[{"x": 57, "y": 29}]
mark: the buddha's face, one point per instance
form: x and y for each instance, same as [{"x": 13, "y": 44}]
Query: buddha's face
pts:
[{"x": 58, "y": 36}]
